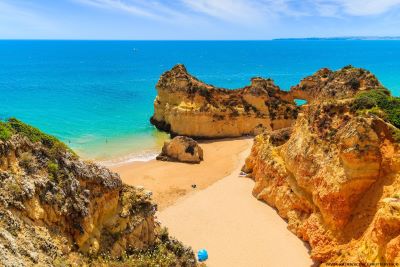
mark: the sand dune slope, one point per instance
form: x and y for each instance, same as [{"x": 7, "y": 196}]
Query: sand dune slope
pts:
[{"x": 235, "y": 228}]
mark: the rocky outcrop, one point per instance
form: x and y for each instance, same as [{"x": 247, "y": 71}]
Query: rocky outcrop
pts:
[
  {"x": 182, "y": 149},
  {"x": 186, "y": 106},
  {"x": 56, "y": 209},
  {"x": 326, "y": 84},
  {"x": 335, "y": 175}
]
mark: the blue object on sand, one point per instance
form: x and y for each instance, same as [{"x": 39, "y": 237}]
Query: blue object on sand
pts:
[{"x": 202, "y": 255}]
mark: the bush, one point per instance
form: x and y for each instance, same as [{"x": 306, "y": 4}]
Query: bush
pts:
[
  {"x": 32, "y": 133},
  {"x": 158, "y": 255},
  {"x": 379, "y": 102},
  {"x": 354, "y": 84},
  {"x": 5, "y": 131},
  {"x": 35, "y": 135},
  {"x": 52, "y": 167}
]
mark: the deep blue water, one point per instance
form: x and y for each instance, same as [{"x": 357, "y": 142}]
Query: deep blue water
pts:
[{"x": 98, "y": 96}]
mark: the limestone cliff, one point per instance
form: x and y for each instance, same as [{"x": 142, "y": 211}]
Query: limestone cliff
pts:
[
  {"x": 56, "y": 209},
  {"x": 186, "y": 106},
  {"x": 335, "y": 175}
]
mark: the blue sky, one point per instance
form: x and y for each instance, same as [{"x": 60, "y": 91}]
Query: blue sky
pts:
[{"x": 197, "y": 19}]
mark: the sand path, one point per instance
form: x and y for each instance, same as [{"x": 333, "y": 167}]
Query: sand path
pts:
[{"x": 235, "y": 228}]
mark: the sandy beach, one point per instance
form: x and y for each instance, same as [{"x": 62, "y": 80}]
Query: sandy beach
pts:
[
  {"x": 220, "y": 214},
  {"x": 234, "y": 227},
  {"x": 170, "y": 181}
]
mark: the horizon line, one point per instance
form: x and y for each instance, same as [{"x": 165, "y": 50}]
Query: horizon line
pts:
[{"x": 344, "y": 38}]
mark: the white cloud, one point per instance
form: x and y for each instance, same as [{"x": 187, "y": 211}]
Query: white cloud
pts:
[
  {"x": 230, "y": 10},
  {"x": 368, "y": 7},
  {"x": 237, "y": 11},
  {"x": 14, "y": 17},
  {"x": 120, "y": 5},
  {"x": 13, "y": 12},
  {"x": 327, "y": 9},
  {"x": 244, "y": 11},
  {"x": 154, "y": 9},
  {"x": 216, "y": 18},
  {"x": 331, "y": 8}
]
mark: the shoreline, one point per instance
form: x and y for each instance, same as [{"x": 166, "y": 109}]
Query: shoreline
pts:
[
  {"x": 172, "y": 181},
  {"x": 119, "y": 150},
  {"x": 143, "y": 156}
]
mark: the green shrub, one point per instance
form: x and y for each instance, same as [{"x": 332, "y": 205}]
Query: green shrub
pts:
[
  {"x": 35, "y": 135},
  {"x": 5, "y": 131},
  {"x": 52, "y": 167},
  {"x": 159, "y": 255},
  {"x": 379, "y": 102},
  {"x": 13, "y": 187},
  {"x": 354, "y": 84}
]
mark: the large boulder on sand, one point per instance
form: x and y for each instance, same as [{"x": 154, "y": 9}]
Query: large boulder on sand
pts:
[{"x": 183, "y": 149}]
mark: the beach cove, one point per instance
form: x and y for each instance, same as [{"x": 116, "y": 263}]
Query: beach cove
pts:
[
  {"x": 220, "y": 214},
  {"x": 97, "y": 96}
]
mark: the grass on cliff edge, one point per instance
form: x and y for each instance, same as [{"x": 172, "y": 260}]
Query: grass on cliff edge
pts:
[
  {"x": 165, "y": 252},
  {"x": 379, "y": 102},
  {"x": 14, "y": 126}
]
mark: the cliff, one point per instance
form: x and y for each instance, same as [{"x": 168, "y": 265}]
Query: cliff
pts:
[
  {"x": 56, "y": 209},
  {"x": 335, "y": 175},
  {"x": 186, "y": 106}
]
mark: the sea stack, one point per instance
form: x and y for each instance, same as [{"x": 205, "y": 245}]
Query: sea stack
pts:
[{"x": 186, "y": 106}]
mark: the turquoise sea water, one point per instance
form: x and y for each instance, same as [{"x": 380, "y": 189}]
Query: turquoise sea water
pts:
[{"x": 97, "y": 96}]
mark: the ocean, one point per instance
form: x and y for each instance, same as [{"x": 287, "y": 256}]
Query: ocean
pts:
[{"x": 97, "y": 96}]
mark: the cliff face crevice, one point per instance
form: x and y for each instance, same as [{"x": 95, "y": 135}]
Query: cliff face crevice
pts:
[
  {"x": 186, "y": 106},
  {"x": 336, "y": 177},
  {"x": 56, "y": 209}
]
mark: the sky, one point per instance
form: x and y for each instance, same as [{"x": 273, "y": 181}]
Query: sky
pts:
[{"x": 197, "y": 19}]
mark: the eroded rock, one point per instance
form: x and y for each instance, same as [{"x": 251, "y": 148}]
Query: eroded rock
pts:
[
  {"x": 182, "y": 149},
  {"x": 56, "y": 209},
  {"x": 335, "y": 175},
  {"x": 186, "y": 106}
]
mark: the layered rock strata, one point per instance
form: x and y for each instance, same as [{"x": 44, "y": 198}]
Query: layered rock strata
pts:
[
  {"x": 56, "y": 209},
  {"x": 335, "y": 175},
  {"x": 186, "y": 106}
]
